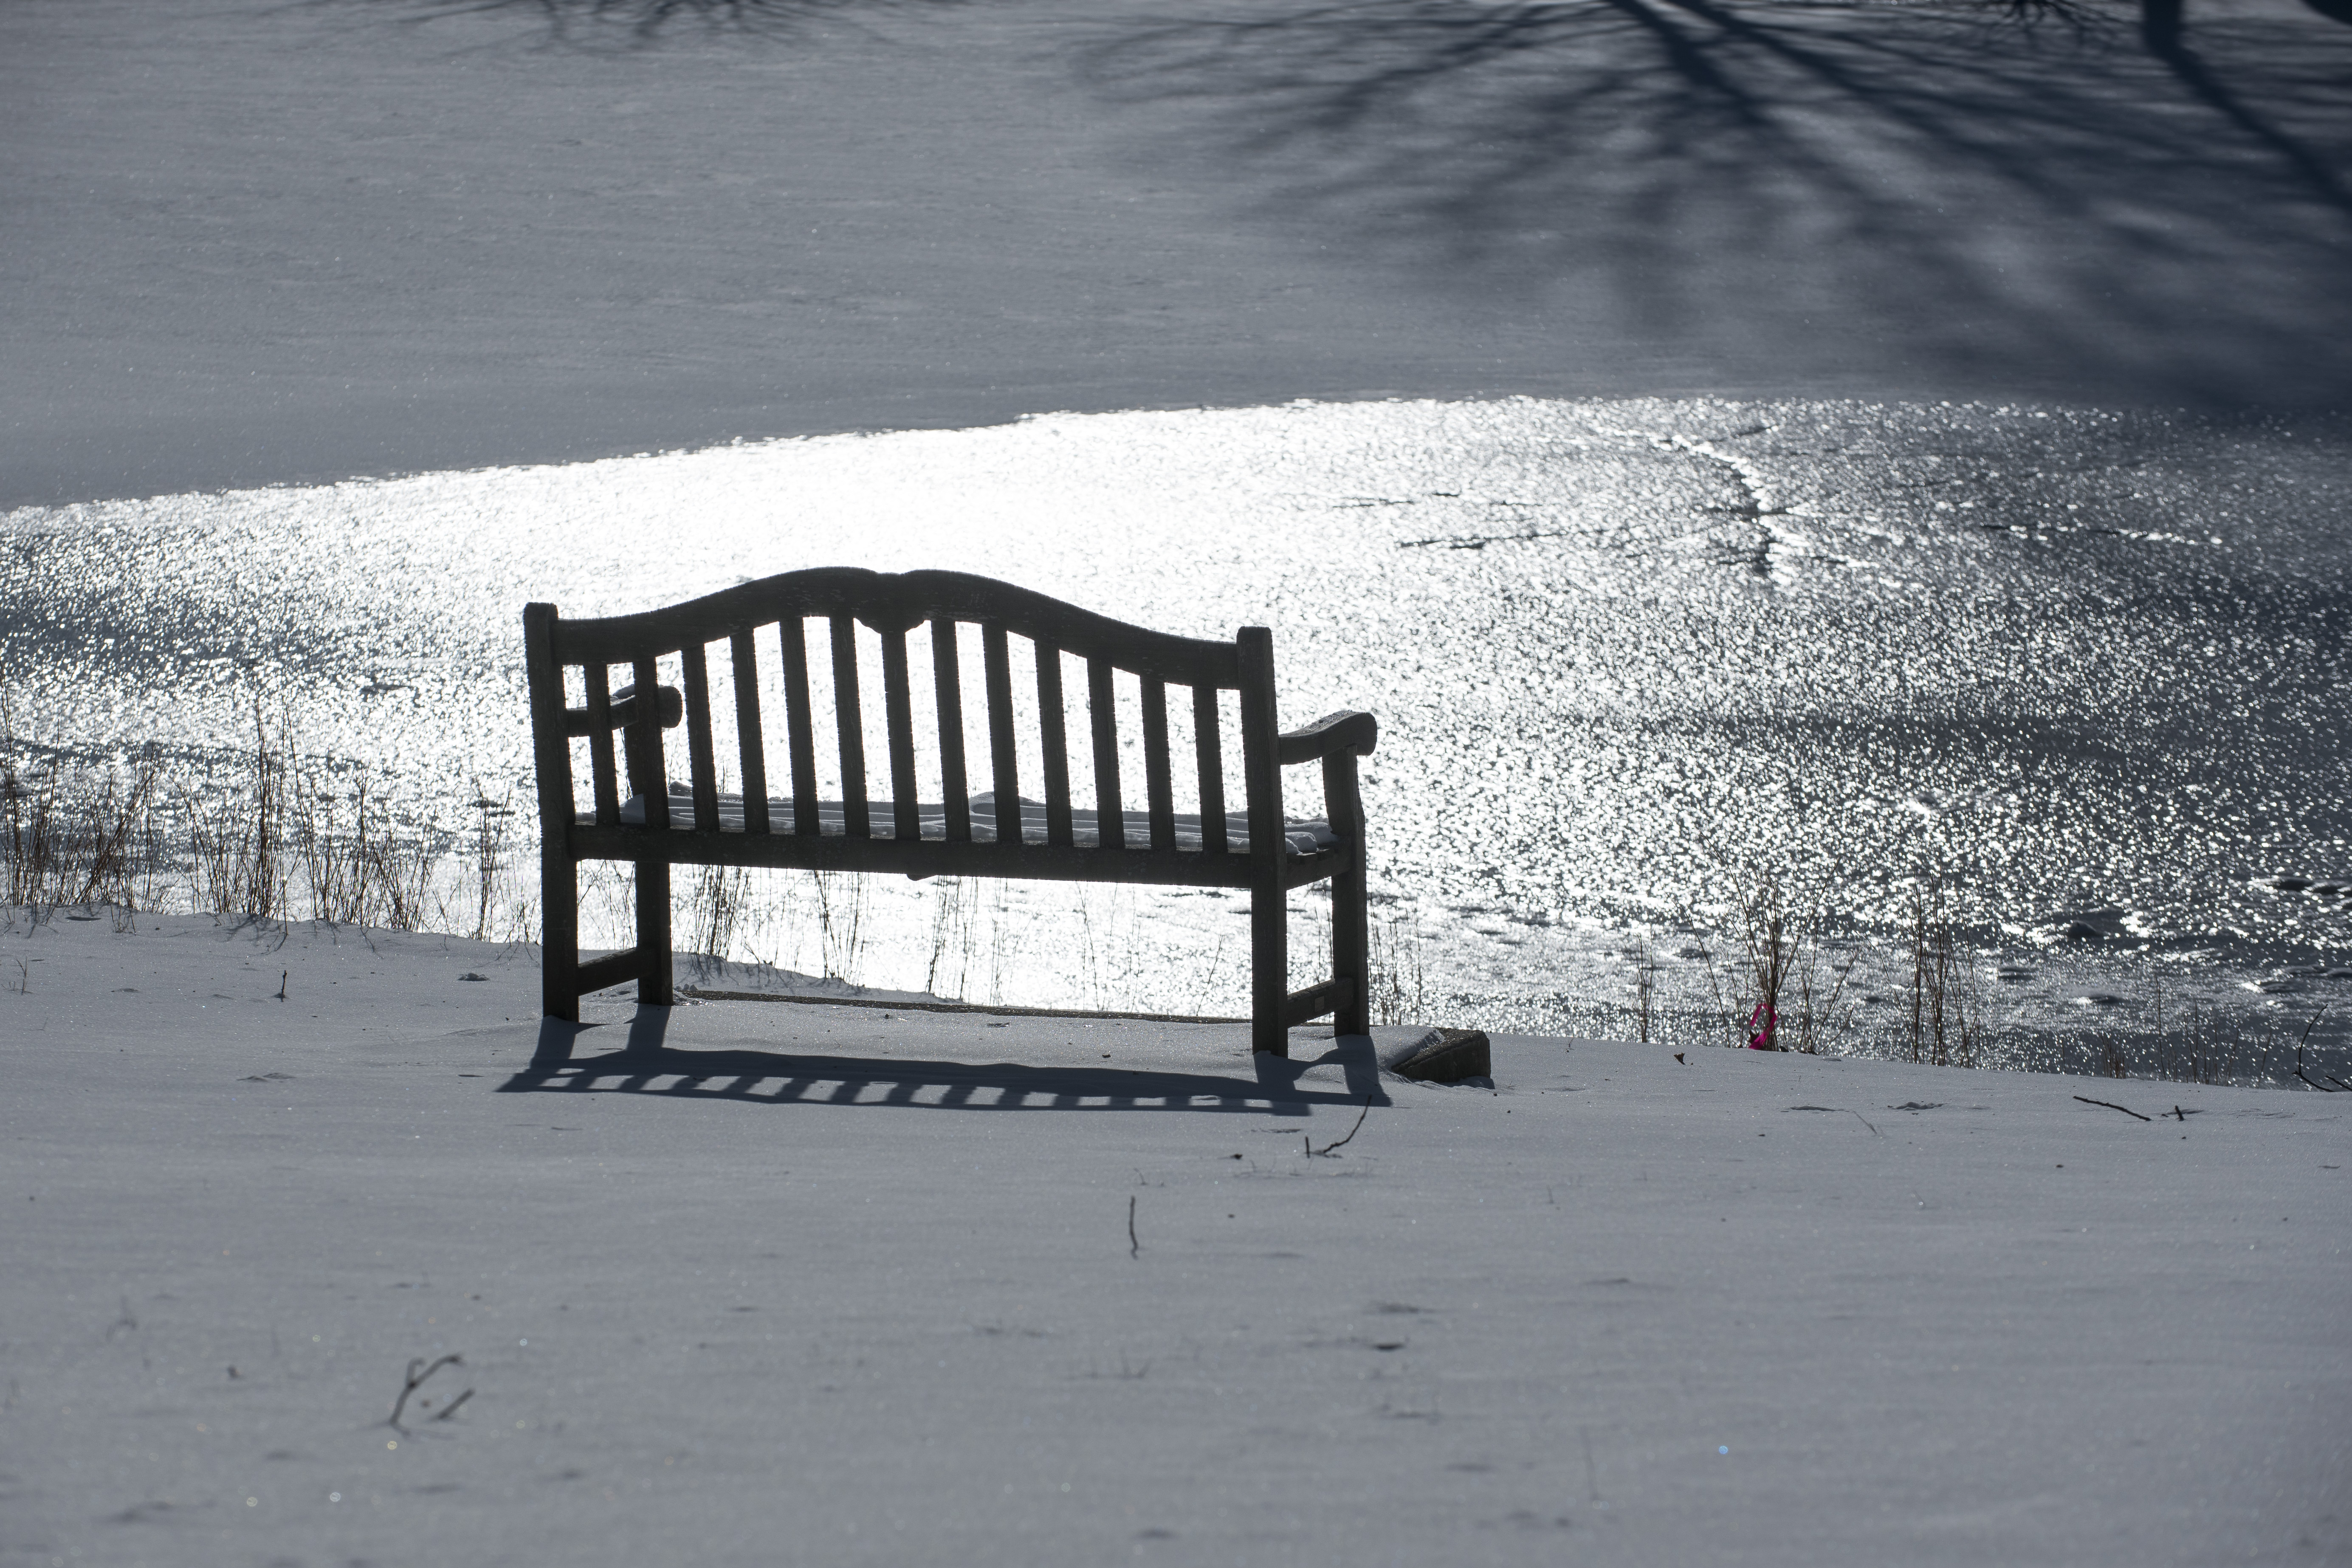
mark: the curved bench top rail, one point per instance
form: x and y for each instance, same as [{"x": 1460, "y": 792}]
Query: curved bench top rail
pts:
[{"x": 896, "y": 602}]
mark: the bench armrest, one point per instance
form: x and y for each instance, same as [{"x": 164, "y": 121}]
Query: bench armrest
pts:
[
  {"x": 624, "y": 710},
  {"x": 1346, "y": 730}
]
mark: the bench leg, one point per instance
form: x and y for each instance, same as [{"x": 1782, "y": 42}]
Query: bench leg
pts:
[
  {"x": 654, "y": 988},
  {"x": 1269, "y": 971},
  {"x": 1351, "y": 946},
  {"x": 558, "y": 962}
]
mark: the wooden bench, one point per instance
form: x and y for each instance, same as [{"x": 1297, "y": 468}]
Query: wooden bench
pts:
[{"x": 761, "y": 630}]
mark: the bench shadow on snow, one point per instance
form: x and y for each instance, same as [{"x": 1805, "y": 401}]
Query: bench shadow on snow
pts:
[{"x": 646, "y": 1064}]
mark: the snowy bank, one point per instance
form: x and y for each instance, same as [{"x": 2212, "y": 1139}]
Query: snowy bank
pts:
[{"x": 780, "y": 1288}]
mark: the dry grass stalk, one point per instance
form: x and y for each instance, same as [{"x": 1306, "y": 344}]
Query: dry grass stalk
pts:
[
  {"x": 2196, "y": 1052},
  {"x": 1792, "y": 991},
  {"x": 953, "y": 909},
  {"x": 365, "y": 874},
  {"x": 70, "y": 841},
  {"x": 840, "y": 921},
  {"x": 1820, "y": 988},
  {"x": 1645, "y": 988},
  {"x": 715, "y": 901},
  {"x": 1947, "y": 1014},
  {"x": 2328, "y": 1082},
  {"x": 1399, "y": 986},
  {"x": 492, "y": 819},
  {"x": 2113, "y": 1063},
  {"x": 1771, "y": 952},
  {"x": 274, "y": 842},
  {"x": 237, "y": 843},
  {"x": 336, "y": 866}
]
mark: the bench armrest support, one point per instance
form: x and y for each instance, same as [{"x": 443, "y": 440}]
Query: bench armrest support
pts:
[
  {"x": 624, "y": 710},
  {"x": 1346, "y": 730}
]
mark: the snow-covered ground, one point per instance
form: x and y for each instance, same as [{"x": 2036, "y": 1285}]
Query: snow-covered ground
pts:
[{"x": 820, "y": 1284}]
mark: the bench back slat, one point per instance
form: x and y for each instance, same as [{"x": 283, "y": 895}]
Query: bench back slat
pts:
[
  {"x": 947, "y": 683},
  {"x": 849, "y": 725},
  {"x": 701, "y": 763},
  {"x": 1208, "y": 752},
  {"x": 648, "y": 778},
  {"x": 898, "y": 716},
  {"x": 603, "y": 771},
  {"x": 749, "y": 741},
  {"x": 1159, "y": 789},
  {"x": 1051, "y": 724},
  {"x": 1005, "y": 768},
  {"x": 1102, "y": 708},
  {"x": 799, "y": 728}
]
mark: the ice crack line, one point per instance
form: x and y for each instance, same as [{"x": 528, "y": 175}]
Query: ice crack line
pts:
[{"x": 1757, "y": 499}]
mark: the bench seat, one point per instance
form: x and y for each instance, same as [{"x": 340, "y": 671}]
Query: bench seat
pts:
[{"x": 1312, "y": 836}]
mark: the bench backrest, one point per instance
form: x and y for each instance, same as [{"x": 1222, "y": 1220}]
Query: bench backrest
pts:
[{"x": 768, "y": 621}]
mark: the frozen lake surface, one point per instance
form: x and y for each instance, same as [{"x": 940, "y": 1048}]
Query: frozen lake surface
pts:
[{"x": 2086, "y": 668}]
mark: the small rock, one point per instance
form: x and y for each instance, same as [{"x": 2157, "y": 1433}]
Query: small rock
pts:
[{"x": 1444, "y": 1056}]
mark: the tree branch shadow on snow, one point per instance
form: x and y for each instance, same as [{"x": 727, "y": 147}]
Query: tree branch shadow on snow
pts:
[
  {"x": 591, "y": 24},
  {"x": 1778, "y": 167},
  {"x": 644, "y": 1065}
]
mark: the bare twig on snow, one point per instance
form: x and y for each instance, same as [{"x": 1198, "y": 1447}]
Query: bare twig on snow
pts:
[
  {"x": 416, "y": 1377},
  {"x": 1351, "y": 1131}
]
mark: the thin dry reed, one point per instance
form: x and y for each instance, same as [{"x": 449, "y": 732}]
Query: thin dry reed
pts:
[
  {"x": 1645, "y": 988},
  {"x": 72, "y": 840},
  {"x": 278, "y": 838},
  {"x": 1946, "y": 1002},
  {"x": 1790, "y": 994},
  {"x": 1399, "y": 986},
  {"x": 715, "y": 900},
  {"x": 840, "y": 922}
]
